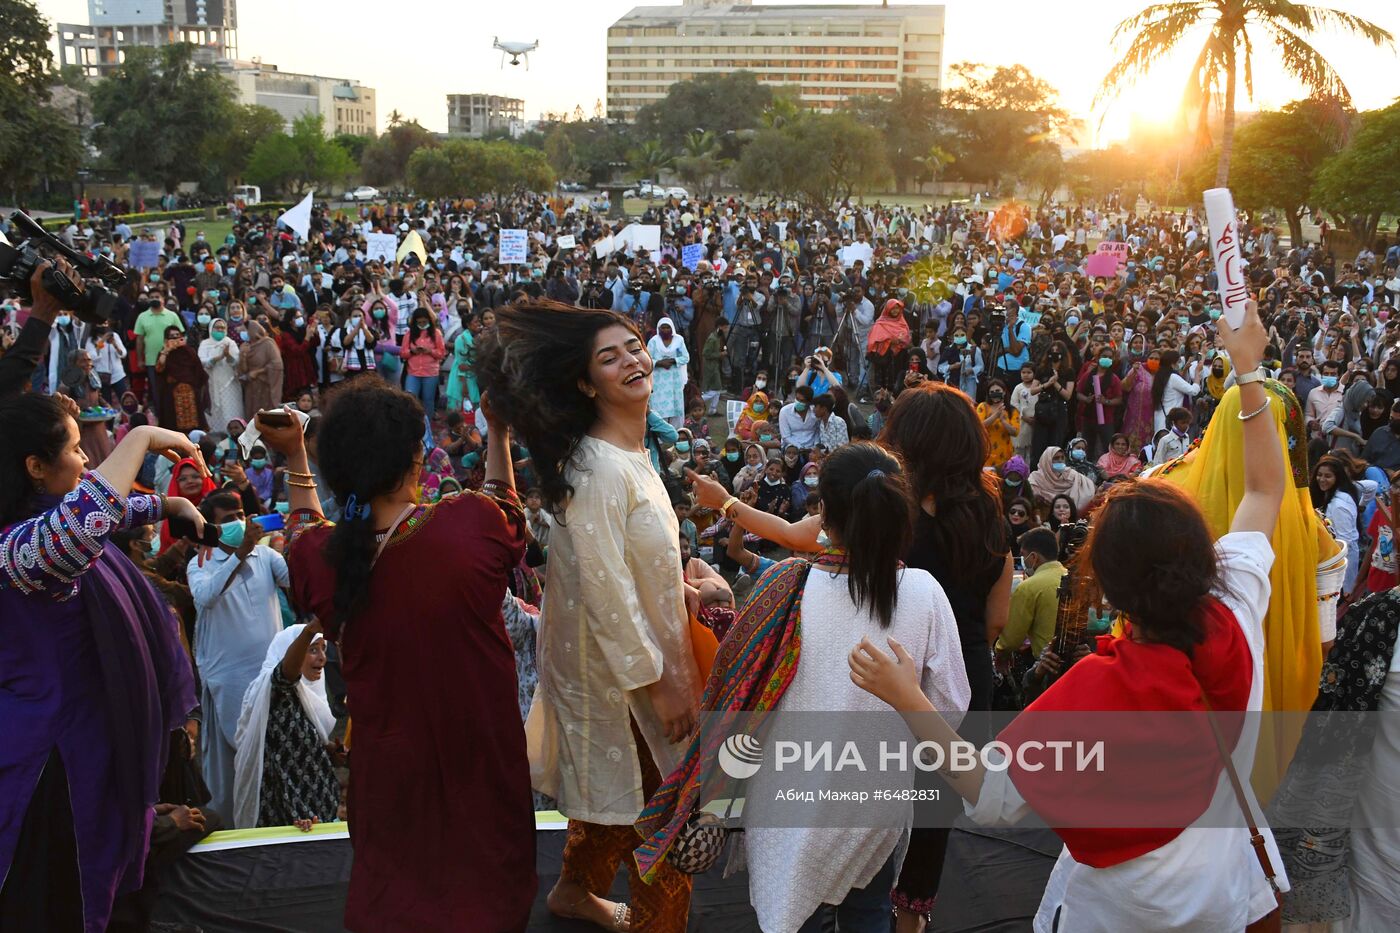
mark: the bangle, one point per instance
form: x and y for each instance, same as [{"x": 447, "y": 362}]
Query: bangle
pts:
[
  {"x": 1258, "y": 411},
  {"x": 728, "y": 504},
  {"x": 300, "y": 475},
  {"x": 308, "y": 485}
]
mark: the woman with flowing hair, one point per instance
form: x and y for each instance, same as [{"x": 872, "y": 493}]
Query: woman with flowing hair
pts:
[
  {"x": 619, "y": 685},
  {"x": 430, "y": 669}
]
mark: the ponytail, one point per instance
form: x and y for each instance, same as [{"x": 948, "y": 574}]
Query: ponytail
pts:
[{"x": 868, "y": 508}]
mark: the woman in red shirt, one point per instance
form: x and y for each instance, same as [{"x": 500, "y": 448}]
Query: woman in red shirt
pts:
[{"x": 423, "y": 352}]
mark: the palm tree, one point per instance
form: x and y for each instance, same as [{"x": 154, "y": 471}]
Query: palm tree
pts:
[
  {"x": 784, "y": 110},
  {"x": 650, "y": 159},
  {"x": 1229, "y": 49},
  {"x": 395, "y": 118}
]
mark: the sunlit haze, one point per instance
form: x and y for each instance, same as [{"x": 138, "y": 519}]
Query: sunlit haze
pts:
[{"x": 416, "y": 54}]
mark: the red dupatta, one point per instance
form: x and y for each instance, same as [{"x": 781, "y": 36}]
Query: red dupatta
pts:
[{"x": 206, "y": 486}]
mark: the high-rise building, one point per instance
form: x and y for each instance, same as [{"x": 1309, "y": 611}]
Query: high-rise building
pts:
[
  {"x": 828, "y": 53},
  {"x": 475, "y": 115},
  {"x": 117, "y": 25},
  {"x": 347, "y": 106}
]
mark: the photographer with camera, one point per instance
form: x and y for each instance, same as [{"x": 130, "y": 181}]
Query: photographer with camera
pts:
[
  {"x": 93, "y": 678},
  {"x": 21, "y": 360},
  {"x": 746, "y": 334}
]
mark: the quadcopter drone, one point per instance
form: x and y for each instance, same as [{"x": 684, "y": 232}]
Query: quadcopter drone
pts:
[{"x": 515, "y": 50}]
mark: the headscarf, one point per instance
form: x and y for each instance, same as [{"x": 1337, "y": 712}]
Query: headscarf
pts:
[
  {"x": 251, "y": 737},
  {"x": 1213, "y": 475},
  {"x": 752, "y": 415},
  {"x": 1216, "y": 386},
  {"x": 1047, "y": 484},
  {"x": 890, "y": 332},
  {"x": 206, "y": 486},
  {"x": 436, "y": 468},
  {"x": 1115, "y": 465},
  {"x": 1354, "y": 402}
]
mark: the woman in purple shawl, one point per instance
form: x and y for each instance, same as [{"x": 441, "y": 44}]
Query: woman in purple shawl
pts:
[{"x": 93, "y": 678}]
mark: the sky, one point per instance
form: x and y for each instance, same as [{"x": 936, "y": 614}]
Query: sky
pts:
[{"x": 415, "y": 59}]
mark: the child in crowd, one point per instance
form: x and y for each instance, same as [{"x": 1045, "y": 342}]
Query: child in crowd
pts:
[{"x": 773, "y": 494}]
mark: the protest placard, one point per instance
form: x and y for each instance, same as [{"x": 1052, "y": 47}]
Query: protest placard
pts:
[
  {"x": 381, "y": 246},
  {"x": 691, "y": 254},
  {"x": 145, "y": 254},
  {"x": 514, "y": 247},
  {"x": 1225, "y": 250},
  {"x": 1119, "y": 251},
  {"x": 1102, "y": 264},
  {"x": 565, "y": 242}
]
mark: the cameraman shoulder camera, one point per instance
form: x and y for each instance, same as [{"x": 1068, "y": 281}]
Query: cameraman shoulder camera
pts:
[{"x": 22, "y": 358}]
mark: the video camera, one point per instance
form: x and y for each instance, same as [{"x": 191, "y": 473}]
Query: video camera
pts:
[{"x": 92, "y": 303}]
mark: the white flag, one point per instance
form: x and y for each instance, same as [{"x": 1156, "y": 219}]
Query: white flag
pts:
[{"x": 299, "y": 218}]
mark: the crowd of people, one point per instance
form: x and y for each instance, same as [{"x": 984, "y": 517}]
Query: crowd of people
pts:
[{"x": 602, "y": 457}]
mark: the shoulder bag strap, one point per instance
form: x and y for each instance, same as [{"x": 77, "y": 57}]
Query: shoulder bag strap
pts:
[{"x": 1256, "y": 838}]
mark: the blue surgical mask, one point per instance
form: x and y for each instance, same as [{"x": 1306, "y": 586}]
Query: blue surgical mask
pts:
[
  {"x": 1329, "y": 382},
  {"x": 203, "y": 320},
  {"x": 765, "y": 438},
  {"x": 1071, "y": 321},
  {"x": 799, "y": 407},
  {"x": 810, "y": 480},
  {"x": 732, "y": 456},
  {"x": 1105, "y": 361},
  {"x": 759, "y": 407},
  {"x": 155, "y": 276},
  {"x": 218, "y": 334},
  {"x": 379, "y": 312},
  {"x": 960, "y": 341},
  {"x": 1215, "y": 314},
  {"x": 1059, "y": 467},
  {"x": 63, "y": 320},
  {"x": 1077, "y": 454},
  {"x": 243, "y": 336},
  {"x": 683, "y": 446},
  {"x": 231, "y": 533},
  {"x": 258, "y": 462}
]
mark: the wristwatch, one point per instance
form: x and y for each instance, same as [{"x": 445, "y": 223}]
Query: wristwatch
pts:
[{"x": 1245, "y": 379}]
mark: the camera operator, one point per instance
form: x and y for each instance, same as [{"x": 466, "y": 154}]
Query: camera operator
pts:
[
  {"x": 594, "y": 293},
  {"x": 21, "y": 361},
  {"x": 818, "y": 314},
  {"x": 679, "y": 306},
  {"x": 784, "y": 319},
  {"x": 81, "y": 622},
  {"x": 558, "y": 285},
  {"x": 745, "y": 335}
]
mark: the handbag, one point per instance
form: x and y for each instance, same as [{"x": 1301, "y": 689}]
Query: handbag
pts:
[{"x": 1272, "y": 922}]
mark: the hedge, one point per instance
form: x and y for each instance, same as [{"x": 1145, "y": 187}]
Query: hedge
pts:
[{"x": 151, "y": 217}]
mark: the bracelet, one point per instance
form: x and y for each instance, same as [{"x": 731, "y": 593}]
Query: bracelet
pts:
[
  {"x": 298, "y": 475},
  {"x": 728, "y": 504},
  {"x": 307, "y": 485},
  {"x": 1244, "y": 379},
  {"x": 1258, "y": 411}
]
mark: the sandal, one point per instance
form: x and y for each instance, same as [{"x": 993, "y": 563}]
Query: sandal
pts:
[{"x": 621, "y": 914}]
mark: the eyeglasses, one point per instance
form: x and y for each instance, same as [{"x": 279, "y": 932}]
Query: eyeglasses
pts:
[{"x": 1017, "y": 513}]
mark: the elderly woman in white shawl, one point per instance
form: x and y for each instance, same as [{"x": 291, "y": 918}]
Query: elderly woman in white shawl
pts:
[
  {"x": 219, "y": 354},
  {"x": 283, "y": 772},
  {"x": 670, "y": 373}
]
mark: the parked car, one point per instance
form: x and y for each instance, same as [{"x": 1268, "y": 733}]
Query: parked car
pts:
[
  {"x": 572, "y": 186},
  {"x": 644, "y": 189},
  {"x": 248, "y": 194},
  {"x": 677, "y": 192},
  {"x": 362, "y": 193}
]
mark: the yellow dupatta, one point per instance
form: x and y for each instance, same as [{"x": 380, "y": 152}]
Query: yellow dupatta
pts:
[{"x": 1214, "y": 476}]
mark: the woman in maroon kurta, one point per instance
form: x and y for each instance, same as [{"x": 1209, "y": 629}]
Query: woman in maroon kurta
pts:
[
  {"x": 441, "y": 816},
  {"x": 298, "y": 355}
]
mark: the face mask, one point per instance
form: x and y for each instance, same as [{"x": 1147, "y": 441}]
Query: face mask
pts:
[
  {"x": 218, "y": 334},
  {"x": 203, "y": 320},
  {"x": 1178, "y": 430},
  {"x": 1071, "y": 321},
  {"x": 1105, "y": 361},
  {"x": 298, "y": 322},
  {"x": 1059, "y": 467},
  {"x": 1153, "y": 365},
  {"x": 732, "y": 456},
  {"x": 1014, "y": 480},
  {"x": 759, "y": 407},
  {"x": 316, "y": 268},
  {"x": 760, "y": 383},
  {"x": 683, "y": 446},
  {"x": 422, "y": 325},
  {"x": 1329, "y": 382},
  {"x": 155, "y": 276},
  {"x": 379, "y": 313},
  {"x": 960, "y": 341},
  {"x": 1395, "y": 425},
  {"x": 243, "y": 336},
  {"x": 1217, "y": 371},
  {"x": 1077, "y": 454},
  {"x": 231, "y": 534},
  {"x": 799, "y": 407},
  {"x": 258, "y": 462},
  {"x": 765, "y": 438},
  {"x": 1215, "y": 314},
  {"x": 995, "y": 397},
  {"x": 810, "y": 480},
  {"x": 62, "y": 320}
]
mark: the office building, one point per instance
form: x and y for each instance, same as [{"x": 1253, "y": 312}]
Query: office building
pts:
[
  {"x": 828, "y": 53},
  {"x": 475, "y": 115},
  {"x": 346, "y": 105},
  {"x": 117, "y": 25}
]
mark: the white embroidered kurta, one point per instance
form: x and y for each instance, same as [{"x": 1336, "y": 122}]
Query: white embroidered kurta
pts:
[
  {"x": 668, "y": 385},
  {"x": 613, "y": 621},
  {"x": 225, "y": 391},
  {"x": 794, "y": 870}
]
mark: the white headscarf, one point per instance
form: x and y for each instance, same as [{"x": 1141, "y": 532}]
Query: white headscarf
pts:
[
  {"x": 659, "y": 349},
  {"x": 251, "y": 737}
]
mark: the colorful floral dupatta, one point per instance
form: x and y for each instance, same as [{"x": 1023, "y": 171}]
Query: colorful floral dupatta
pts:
[{"x": 755, "y": 664}]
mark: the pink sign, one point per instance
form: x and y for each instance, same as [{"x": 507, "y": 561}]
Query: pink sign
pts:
[
  {"x": 1102, "y": 264},
  {"x": 1118, "y": 250}
]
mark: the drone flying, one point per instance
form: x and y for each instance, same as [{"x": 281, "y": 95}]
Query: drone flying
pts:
[{"x": 515, "y": 50}]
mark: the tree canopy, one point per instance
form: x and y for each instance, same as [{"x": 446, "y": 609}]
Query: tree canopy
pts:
[
  {"x": 298, "y": 162},
  {"x": 818, "y": 158},
  {"x": 724, "y": 104},
  {"x": 472, "y": 165},
  {"x": 910, "y": 122},
  {"x": 159, "y": 111},
  {"x": 1278, "y": 154},
  {"x": 36, "y": 141},
  {"x": 385, "y": 160},
  {"x": 997, "y": 115},
  {"x": 1362, "y": 182}
]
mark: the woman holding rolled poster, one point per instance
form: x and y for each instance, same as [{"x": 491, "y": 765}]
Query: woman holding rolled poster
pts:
[{"x": 1193, "y": 642}]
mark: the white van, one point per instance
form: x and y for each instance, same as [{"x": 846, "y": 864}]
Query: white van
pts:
[{"x": 248, "y": 194}]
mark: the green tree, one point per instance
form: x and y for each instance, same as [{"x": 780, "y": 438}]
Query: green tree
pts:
[
  {"x": 1362, "y": 182},
  {"x": 1043, "y": 170},
  {"x": 385, "y": 160},
  {"x": 225, "y": 157},
  {"x": 1228, "y": 51},
  {"x": 303, "y": 160},
  {"x": 818, "y": 159},
  {"x": 36, "y": 141},
  {"x": 473, "y": 167},
  {"x": 599, "y": 147},
  {"x": 650, "y": 159},
  {"x": 559, "y": 150},
  {"x": 157, "y": 109},
  {"x": 997, "y": 115},
  {"x": 1278, "y": 154},
  {"x": 354, "y": 144},
  {"x": 724, "y": 104},
  {"x": 909, "y": 122},
  {"x": 700, "y": 162}
]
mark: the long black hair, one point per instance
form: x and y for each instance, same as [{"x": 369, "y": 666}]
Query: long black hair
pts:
[
  {"x": 869, "y": 511},
  {"x": 1166, "y": 365},
  {"x": 31, "y": 425},
  {"x": 366, "y": 442},
  {"x": 1343, "y": 483},
  {"x": 934, "y": 428},
  {"x": 530, "y": 368}
]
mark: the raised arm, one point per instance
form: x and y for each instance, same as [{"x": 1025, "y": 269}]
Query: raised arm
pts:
[
  {"x": 1264, "y": 474},
  {"x": 795, "y": 536}
]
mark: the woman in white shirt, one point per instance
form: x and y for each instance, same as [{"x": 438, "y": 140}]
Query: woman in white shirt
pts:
[
  {"x": 106, "y": 350},
  {"x": 1195, "y": 638},
  {"x": 857, "y": 590},
  {"x": 219, "y": 354},
  {"x": 1336, "y": 496},
  {"x": 1170, "y": 390}
]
